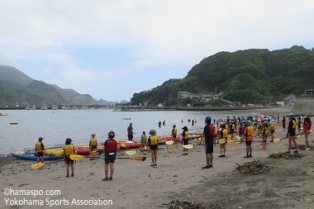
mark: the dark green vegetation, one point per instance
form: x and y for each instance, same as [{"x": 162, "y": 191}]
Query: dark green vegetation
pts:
[
  {"x": 245, "y": 76},
  {"x": 18, "y": 88}
]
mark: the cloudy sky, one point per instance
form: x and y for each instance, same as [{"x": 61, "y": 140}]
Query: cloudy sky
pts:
[{"x": 111, "y": 49}]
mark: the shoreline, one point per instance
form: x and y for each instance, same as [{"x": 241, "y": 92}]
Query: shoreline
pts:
[{"x": 287, "y": 184}]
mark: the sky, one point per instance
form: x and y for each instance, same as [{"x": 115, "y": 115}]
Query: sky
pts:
[{"x": 112, "y": 49}]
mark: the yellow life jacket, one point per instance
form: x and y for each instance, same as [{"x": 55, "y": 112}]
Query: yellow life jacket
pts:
[
  {"x": 225, "y": 133},
  {"x": 266, "y": 129},
  {"x": 186, "y": 135},
  {"x": 295, "y": 123},
  {"x": 249, "y": 130},
  {"x": 69, "y": 149},
  {"x": 39, "y": 147},
  {"x": 216, "y": 131},
  {"x": 93, "y": 142},
  {"x": 174, "y": 131},
  {"x": 154, "y": 140},
  {"x": 144, "y": 137}
]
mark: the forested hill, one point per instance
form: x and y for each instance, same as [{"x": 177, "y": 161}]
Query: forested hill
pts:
[{"x": 244, "y": 75}]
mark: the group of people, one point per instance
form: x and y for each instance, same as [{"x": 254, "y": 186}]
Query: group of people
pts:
[{"x": 212, "y": 134}]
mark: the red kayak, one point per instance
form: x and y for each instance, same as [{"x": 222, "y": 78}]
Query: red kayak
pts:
[
  {"x": 82, "y": 150},
  {"x": 169, "y": 138}
]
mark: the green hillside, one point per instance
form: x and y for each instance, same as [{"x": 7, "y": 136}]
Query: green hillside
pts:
[{"x": 253, "y": 75}]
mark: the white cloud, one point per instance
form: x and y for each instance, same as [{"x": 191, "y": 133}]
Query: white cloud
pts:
[{"x": 155, "y": 33}]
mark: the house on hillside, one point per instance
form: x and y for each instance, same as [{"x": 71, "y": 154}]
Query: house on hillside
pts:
[
  {"x": 290, "y": 98},
  {"x": 309, "y": 91},
  {"x": 205, "y": 97}
]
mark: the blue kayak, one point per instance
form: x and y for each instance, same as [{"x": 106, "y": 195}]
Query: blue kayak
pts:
[{"x": 34, "y": 157}]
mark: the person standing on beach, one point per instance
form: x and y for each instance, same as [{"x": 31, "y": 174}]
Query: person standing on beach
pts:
[
  {"x": 241, "y": 132},
  {"x": 110, "y": 149},
  {"x": 265, "y": 134},
  {"x": 272, "y": 131},
  {"x": 40, "y": 149},
  {"x": 283, "y": 121},
  {"x": 174, "y": 133},
  {"x": 223, "y": 140},
  {"x": 291, "y": 133},
  {"x": 307, "y": 130},
  {"x": 130, "y": 132},
  {"x": 299, "y": 125},
  {"x": 208, "y": 134},
  {"x": 248, "y": 132},
  {"x": 143, "y": 141},
  {"x": 68, "y": 150},
  {"x": 153, "y": 146},
  {"x": 93, "y": 145},
  {"x": 185, "y": 139}
]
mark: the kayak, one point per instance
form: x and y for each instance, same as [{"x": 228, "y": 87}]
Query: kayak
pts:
[
  {"x": 57, "y": 152},
  {"x": 34, "y": 157},
  {"x": 169, "y": 138},
  {"x": 82, "y": 150},
  {"x": 132, "y": 144},
  {"x": 162, "y": 141}
]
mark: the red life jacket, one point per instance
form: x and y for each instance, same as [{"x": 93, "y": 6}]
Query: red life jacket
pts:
[
  {"x": 111, "y": 145},
  {"x": 211, "y": 130}
]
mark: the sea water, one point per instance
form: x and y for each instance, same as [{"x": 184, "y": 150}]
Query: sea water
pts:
[{"x": 57, "y": 125}]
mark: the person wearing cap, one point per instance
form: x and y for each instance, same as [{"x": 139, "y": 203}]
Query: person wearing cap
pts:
[
  {"x": 143, "y": 141},
  {"x": 40, "y": 149},
  {"x": 291, "y": 134},
  {"x": 174, "y": 134},
  {"x": 153, "y": 146},
  {"x": 208, "y": 137},
  {"x": 185, "y": 139},
  {"x": 68, "y": 150},
  {"x": 110, "y": 149},
  {"x": 93, "y": 145}
]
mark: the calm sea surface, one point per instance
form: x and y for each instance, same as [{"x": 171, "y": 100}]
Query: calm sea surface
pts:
[{"x": 57, "y": 125}]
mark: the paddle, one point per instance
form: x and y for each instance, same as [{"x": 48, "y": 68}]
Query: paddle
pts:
[
  {"x": 277, "y": 140},
  {"x": 172, "y": 147},
  {"x": 137, "y": 158},
  {"x": 189, "y": 146},
  {"x": 94, "y": 154},
  {"x": 76, "y": 157},
  {"x": 131, "y": 152},
  {"x": 37, "y": 165},
  {"x": 230, "y": 141}
]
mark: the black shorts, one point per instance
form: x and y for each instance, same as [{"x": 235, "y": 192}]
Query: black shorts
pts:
[
  {"x": 292, "y": 132},
  {"x": 209, "y": 148},
  {"x": 110, "y": 158},
  {"x": 93, "y": 147},
  {"x": 40, "y": 154},
  {"x": 248, "y": 143},
  {"x": 153, "y": 147},
  {"x": 68, "y": 160},
  {"x": 185, "y": 141},
  {"x": 130, "y": 137},
  {"x": 231, "y": 131},
  {"x": 174, "y": 135}
]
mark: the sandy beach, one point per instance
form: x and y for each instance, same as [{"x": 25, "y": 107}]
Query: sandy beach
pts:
[{"x": 287, "y": 183}]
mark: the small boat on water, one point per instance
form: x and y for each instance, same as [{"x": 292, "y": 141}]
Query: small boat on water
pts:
[
  {"x": 32, "y": 156},
  {"x": 14, "y": 123}
]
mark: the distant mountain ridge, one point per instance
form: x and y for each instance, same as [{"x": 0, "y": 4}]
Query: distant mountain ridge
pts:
[{"x": 18, "y": 88}]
